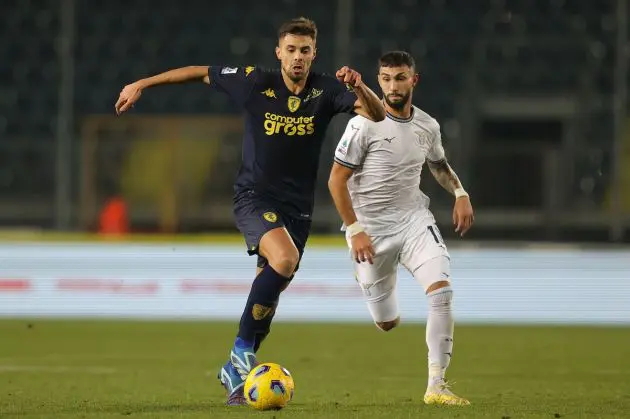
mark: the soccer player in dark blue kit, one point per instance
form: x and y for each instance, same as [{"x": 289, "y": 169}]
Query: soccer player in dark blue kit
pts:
[{"x": 286, "y": 116}]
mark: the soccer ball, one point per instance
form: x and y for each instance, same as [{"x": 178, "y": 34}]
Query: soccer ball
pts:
[{"x": 269, "y": 386}]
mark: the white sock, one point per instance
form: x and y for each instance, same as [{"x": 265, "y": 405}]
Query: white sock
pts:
[{"x": 439, "y": 332}]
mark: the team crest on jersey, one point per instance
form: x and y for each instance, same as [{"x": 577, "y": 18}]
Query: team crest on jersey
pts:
[
  {"x": 422, "y": 137},
  {"x": 270, "y": 216},
  {"x": 248, "y": 70},
  {"x": 294, "y": 103}
]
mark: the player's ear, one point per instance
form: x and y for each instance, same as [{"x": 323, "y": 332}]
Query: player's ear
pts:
[
  {"x": 278, "y": 53},
  {"x": 416, "y": 79}
]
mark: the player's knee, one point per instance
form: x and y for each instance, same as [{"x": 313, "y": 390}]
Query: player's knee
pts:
[
  {"x": 441, "y": 299},
  {"x": 437, "y": 285},
  {"x": 285, "y": 261},
  {"x": 387, "y": 326},
  {"x": 287, "y": 283},
  {"x": 285, "y": 286}
]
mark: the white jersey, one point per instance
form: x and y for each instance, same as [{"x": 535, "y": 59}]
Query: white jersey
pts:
[{"x": 387, "y": 159}]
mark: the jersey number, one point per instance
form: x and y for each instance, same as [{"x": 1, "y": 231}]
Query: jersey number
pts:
[{"x": 436, "y": 235}]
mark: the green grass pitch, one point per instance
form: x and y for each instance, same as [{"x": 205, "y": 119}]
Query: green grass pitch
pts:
[{"x": 111, "y": 369}]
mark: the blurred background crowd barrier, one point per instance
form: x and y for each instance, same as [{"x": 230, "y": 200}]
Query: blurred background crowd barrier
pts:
[{"x": 531, "y": 96}]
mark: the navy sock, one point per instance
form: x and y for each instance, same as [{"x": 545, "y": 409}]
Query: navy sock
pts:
[
  {"x": 260, "y": 308},
  {"x": 261, "y": 336}
]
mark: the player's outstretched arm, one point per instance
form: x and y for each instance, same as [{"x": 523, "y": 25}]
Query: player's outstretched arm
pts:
[
  {"x": 462, "y": 212},
  {"x": 362, "y": 249},
  {"x": 368, "y": 104},
  {"x": 131, "y": 93}
]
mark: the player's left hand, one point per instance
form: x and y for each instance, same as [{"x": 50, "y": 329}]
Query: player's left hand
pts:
[
  {"x": 349, "y": 76},
  {"x": 463, "y": 216}
]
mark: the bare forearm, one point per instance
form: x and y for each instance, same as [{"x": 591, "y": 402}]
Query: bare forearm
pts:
[
  {"x": 445, "y": 176},
  {"x": 178, "y": 75},
  {"x": 370, "y": 102},
  {"x": 341, "y": 197}
]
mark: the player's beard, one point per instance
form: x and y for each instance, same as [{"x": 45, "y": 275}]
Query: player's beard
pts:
[
  {"x": 399, "y": 103},
  {"x": 299, "y": 76}
]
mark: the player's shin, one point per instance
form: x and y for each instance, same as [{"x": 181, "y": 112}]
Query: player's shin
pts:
[
  {"x": 439, "y": 332},
  {"x": 257, "y": 317},
  {"x": 260, "y": 336}
]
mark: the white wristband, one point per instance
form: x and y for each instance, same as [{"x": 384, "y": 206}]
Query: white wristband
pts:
[
  {"x": 459, "y": 192},
  {"x": 354, "y": 229}
]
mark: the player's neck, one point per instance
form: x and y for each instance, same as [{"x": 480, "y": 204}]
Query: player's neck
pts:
[
  {"x": 403, "y": 113},
  {"x": 293, "y": 86}
]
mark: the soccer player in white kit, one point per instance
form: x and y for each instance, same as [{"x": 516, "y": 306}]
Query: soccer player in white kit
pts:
[{"x": 375, "y": 184}]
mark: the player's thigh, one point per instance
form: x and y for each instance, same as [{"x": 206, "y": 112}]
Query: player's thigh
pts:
[
  {"x": 256, "y": 218},
  {"x": 433, "y": 271},
  {"x": 423, "y": 243},
  {"x": 278, "y": 248},
  {"x": 299, "y": 230},
  {"x": 378, "y": 280}
]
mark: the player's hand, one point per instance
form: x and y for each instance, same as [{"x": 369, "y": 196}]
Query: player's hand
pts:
[
  {"x": 349, "y": 76},
  {"x": 362, "y": 249},
  {"x": 463, "y": 216},
  {"x": 128, "y": 96}
]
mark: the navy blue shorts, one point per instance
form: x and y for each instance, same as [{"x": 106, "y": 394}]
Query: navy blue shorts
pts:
[{"x": 255, "y": 216}]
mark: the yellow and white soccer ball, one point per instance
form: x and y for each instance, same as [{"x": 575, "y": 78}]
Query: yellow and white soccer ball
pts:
[{"x": 269, "y": 386}]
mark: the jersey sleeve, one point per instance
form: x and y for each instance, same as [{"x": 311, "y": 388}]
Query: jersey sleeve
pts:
[
  {"x": 436, "y": 152},
  {"x": 237, "y": 82},
  {"x": 343, "y": 98},
  {"x": 353, "y": 145}
]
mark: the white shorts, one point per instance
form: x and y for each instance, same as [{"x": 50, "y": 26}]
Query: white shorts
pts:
[{"x": 419, "y": 248}]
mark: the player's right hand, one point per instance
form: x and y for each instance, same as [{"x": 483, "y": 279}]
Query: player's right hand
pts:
[
  {"x": 348, "y": 76},
  {"x": 128, "y": 96},
  {"x": 362, "y": 248}
]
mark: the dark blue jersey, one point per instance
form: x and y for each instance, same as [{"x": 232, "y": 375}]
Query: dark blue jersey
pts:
[{"x": 284, "y": 132}]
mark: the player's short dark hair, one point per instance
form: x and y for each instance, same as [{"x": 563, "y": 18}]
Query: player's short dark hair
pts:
[
  {"x": 298, "y": 26},
  {"x": 396, "y": 59}
]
